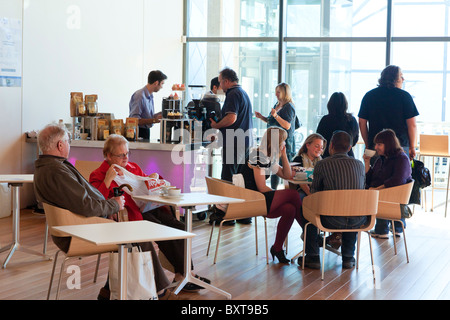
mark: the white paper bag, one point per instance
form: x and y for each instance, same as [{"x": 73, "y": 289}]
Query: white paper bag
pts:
[
  {"x": 142, "y": 186},
  {"x": 140, "y": 276}
]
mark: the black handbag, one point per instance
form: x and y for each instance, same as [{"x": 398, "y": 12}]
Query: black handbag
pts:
[
  {"x": 420, "y": 174},
  {"x": 422, "y": 179}
]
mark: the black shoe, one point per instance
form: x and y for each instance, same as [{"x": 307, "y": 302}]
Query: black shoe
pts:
[
  {"x": 279, "y": 254},
  {"x": 348, "y": 263},
  {"x": 191, "y": 287},
  {"x": 205, "y": 280},
  {"x": 245, "y": 221},
  {"x": 104, "y": 294},
  {"x": 311, "y": 262}
]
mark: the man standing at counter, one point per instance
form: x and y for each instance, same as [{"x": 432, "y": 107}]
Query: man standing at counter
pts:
[
  {"x": 142, "y": 105},
  {"x": 236, "y": 124}
]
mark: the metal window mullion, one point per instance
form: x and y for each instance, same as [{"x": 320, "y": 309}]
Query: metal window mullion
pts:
[
  {"x": 388, "y": 32},
  {"x": 281, "y": 43}
]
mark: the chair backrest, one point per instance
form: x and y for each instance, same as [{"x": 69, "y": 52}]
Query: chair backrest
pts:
[
  {"x": 61, "y": 217},
  {"x": 436, "y": 145},
  {"x": 254, "y": 204},
  {"x": 343, "y": 202},
  {"x": 398, "y": 194},
  {"x": 86, "y": 167}
]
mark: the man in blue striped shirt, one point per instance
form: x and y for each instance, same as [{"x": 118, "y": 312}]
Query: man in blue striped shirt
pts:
[{"x": 337, "y": 172}]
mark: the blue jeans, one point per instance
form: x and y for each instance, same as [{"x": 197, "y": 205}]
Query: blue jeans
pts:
[
  {"x": 383, "y": 226},
  {"x": 334, "y": 222}
]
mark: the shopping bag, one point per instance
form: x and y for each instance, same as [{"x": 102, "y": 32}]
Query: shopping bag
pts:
[
  {"x": 141, "y": 186},
  {"x": 140, "y": 275}
]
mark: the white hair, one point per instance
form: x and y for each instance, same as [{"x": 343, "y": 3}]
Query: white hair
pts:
[{"x": 49, "y": 136}]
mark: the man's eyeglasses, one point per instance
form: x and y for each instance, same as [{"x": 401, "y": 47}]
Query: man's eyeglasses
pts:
[{"x": 122, "y": 155}]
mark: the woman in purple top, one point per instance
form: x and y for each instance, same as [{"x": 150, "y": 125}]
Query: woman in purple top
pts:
[{"x": 392, "y": 168}]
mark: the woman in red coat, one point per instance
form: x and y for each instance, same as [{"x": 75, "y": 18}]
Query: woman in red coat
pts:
[{"x": 115, "y": 151}]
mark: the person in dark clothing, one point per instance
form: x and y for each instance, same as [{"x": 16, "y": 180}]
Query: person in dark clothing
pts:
[
  {"x": 391, "y": 169},
  {"x": 236, "y": 124},
  {"x": 338, "y": 119},
  {"x": 389, "y": 107}
]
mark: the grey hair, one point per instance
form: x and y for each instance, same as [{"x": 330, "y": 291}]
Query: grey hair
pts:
[
  {"x": 49, "y": 136},
  {"x": 112, "y": 142}
]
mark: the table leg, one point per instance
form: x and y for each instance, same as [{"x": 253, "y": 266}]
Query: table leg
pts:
[
  {"x": 16, "y": 228},
  {"x": 188, "y": 258},
  {"x": 123, "y": 256}
]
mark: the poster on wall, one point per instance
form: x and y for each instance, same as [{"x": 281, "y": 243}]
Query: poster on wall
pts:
[{"x": 10, "y": 52}]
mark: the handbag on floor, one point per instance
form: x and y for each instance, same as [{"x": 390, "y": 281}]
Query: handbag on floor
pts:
[{"x": 140, "y": 275}]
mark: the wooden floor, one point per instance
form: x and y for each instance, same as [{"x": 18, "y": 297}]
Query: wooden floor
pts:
[{"x": 247, "y": 276}]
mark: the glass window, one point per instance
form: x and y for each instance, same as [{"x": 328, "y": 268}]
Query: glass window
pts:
[
  {"x": 419, "y": 18},
  {"x": 422, "y": 65},
  {"x": 255, "y": 63},
  {"x": 233, "y": 18},
  {"x": 341, "y": 18},
  {"x": 316, "y": 70}
]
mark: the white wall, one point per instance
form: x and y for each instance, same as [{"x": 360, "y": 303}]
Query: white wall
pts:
[
  {"x": 10, "y": 108},
  {"x": 104, "y": 47}
]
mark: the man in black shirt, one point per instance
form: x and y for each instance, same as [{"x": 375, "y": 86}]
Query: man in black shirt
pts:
[{"x": 389, "y": 107}]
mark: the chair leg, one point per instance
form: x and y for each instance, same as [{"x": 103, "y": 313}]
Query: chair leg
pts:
[
  {"x": 323, "y": 254},
  {"x": 305, "y": 230},
  {"x": 46, "y": 238},
  {"x": 267, "y": 243},
  {"x": 446, "y": 194},
  {"x": 210, "y": 237},
  {"x": 60, "y": 277},
  {"x": 371, "y": 255},
  {"x": 53, "y": 274},
  {"x": 358, "y": 244},
  {"x": 218, "y": 240},
  {"x": 404, "y": 239},
  {"x": 393, "y": 232},
  {"x": 96, "y": 267},
  {"x": 256, "y": 235}
]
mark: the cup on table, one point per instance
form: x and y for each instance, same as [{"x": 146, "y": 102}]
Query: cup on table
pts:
[
  {"x": 301, "y": 176},
  {"x": 369, "y": 153},
  {"x": 174, "y": 192}
]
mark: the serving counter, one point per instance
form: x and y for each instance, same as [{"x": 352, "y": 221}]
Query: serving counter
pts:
[{"x": 183, "y": 165}]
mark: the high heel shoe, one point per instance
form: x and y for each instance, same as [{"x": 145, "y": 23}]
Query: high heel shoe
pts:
[{"x": 279, "y": 254}]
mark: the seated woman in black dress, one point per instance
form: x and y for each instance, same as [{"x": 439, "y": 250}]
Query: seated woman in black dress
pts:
[{"x": 286, "y": 204}]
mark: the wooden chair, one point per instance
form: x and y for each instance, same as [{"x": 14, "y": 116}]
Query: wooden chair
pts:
[
  {"x": 435, "y": 146},
  {"x": 254, "y": 206},
  {"x": 86, "y": 167},
  {"x": 389, "y": 202},
  {"x": 77, "y": 248},
  {"x": 341, "y": 203}
]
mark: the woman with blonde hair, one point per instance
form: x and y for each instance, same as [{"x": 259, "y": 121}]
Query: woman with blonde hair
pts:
[
  {"x": 308, "y": 155},
  {"x": 282, "y": 115},
  {"x": 260, "y": 163}
]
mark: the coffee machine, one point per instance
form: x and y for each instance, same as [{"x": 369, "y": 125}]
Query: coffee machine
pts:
[{"x": 203, "y": 107}]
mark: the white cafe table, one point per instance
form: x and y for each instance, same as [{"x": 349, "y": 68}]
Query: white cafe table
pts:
[
  {"x": 123, "y": 234},
  {"x": 188, "y": 201},
  {"x": 16, "y": 181}
]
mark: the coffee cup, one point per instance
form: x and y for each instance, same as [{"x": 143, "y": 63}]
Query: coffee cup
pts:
[
  {"x": 369, "y": 153},
  {"x": 301, "y": 176},
  {"x": 174, "y": 192}
]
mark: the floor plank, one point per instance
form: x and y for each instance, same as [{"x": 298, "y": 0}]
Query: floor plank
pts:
[{"x": 246, "y": 275}]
